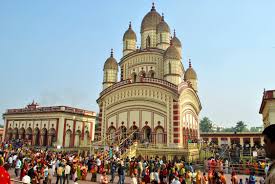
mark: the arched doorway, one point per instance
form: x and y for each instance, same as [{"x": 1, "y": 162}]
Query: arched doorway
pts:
[
  {"x": 29, "y": 135},
  {"x": 134, "y": 77},
  {"x": 151, "y": 74},
  {"x": 36, "y": 137},
  {"x": 86, "y": 138},
  {"x": 159, "y": 135},
  {"x": 147, "y": 134},
  {"x": 22, "y": 133},
  {"x": 134, "y": 132},
  {"x": 68, "y": 138},
  {"x": 111, "y": 134},
  {"x": 9, "y": 134},
  {"x": 141, "y": 75},
  {"x": 15, "y": 133},
  {"x": 44, "y": 137},
  {"x": 77, "y": 138},
  {"x": 51, "y": 136},
  {"x": 123, "y": 131}
]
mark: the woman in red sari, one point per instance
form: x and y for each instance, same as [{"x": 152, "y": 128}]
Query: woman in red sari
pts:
[{"x": 24, "y": 170}]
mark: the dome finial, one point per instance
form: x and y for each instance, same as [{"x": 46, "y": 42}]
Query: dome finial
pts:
[
  {"x": 190, "y": 65},
  {"x": 130, "y": 25},
  {"x": 153, "y": 7},
  {"x": 112, "y": 52},
  {"x": 162, "y": 16},
  {"x": 174, "y": 32}
]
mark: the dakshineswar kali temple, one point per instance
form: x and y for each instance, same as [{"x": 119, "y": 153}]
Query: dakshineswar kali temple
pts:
[{"x": 156, "y": 97}]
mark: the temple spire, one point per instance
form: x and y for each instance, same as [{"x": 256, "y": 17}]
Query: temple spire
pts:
[
  {"x": 153, "y": 7},
  {"x": 112, "y": 52},
  {"x": 190, "y": 64}
]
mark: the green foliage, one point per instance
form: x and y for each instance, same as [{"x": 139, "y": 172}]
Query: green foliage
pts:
[
  {"x": 1, "y": 126},
  {"x": 206, "y": 125},
  {"x": 241, "y": 126}
]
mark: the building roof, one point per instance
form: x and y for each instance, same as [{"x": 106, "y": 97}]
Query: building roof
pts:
[
  {"x": 50, "y": 109},
  {"x": 267, "y": 96},
  {"x": 190, "y": 73},
  {"x": 129, "y": 34},
  {"x": 163, "y": 26},
  {"x": 172, "y": 52},
  {"x": 151, "y": 20},
  {"x": 111, "y": 63}
]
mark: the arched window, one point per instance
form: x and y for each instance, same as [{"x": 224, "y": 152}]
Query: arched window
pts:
[
  {"x": 134, "y": 77},
  {"x": 151, "y": 74},
  {"x": 68, "y": 138},
  {"x": 169, "y": 65},
  {"x": 148, "y": 42},
  {"x": 159, "y": 135},
  {"x": 126, "y": 44}
]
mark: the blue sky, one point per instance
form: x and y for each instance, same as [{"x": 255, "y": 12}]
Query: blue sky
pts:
[{"x": 54, "y": 51}]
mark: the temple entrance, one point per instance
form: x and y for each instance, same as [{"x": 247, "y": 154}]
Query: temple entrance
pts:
[
  {"x": 159, "y": 135},
  {"x": 77, "y": 138},
  {"x": 44, "y": 137}
]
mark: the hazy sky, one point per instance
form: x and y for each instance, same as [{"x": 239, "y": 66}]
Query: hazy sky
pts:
[{"x": 54, "y": 51}]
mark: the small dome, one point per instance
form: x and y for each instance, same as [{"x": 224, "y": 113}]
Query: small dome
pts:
[
  {"x": 190, "y": 73},
  {"x": 172, "y": 52},
  {"x": 129, "y": 34},
  {"x": 176, "y": 41},
  {"x": 163, "y": 26},
  {"x": 151, "y": 20},
  {"x": 111, "y": 63}
]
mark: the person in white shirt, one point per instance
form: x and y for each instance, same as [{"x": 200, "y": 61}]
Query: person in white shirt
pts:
[
  {"x": 67, "y": 173},
  {"x": 175, "y": 181},
  {"x": 18, "y": 165},
  {"x": 26, "y": 179}
]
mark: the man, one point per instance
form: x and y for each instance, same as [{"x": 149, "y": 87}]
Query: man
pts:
[
  {"x": 67, "y": 173},
  {"x": 269, "y": 146},
  {"x": 113, "y": 170}
]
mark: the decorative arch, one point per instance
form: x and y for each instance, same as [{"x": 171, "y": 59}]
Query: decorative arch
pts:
[
  {"x": 68, "y": 138},
  {"x": 36, "y": 136},
  {"x": 51, "y": 136},
  {"x": 112, "y": 134},
  {"x": 148, "y": 42},
  {"x": 15, "y": 133},
  {"x": 159, "y": 131},
  {"x": 147, "y": 134},
  {"x": 123, "y": 132},
  {"x": 86, "y": 137},
  {"x": 9, "y": 134},
  {"x": 29, "y": 134},
  {"x": 44, "y": 137},
  {"x": 134, "y": 77},
  {"x": 141, "y": 75},
  {"x": 77, "y": 138},
  {"x": 134, "y": 129},
  {"x": 151, "y": 74},
  {"x": 22, "y": 133}
]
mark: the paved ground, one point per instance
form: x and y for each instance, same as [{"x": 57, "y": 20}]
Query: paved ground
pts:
[{"x": 127, "y": 179}]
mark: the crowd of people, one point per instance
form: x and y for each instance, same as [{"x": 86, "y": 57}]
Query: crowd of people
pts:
[{"x": 37, "y": 166}]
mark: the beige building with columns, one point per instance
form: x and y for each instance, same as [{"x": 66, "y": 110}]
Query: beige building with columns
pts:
[
  {"x": 267, "y": 108},
  {"x": 155, "y": 95},
  {"x": 229, "y": 138},
  {"x": 53, "y": 126}
]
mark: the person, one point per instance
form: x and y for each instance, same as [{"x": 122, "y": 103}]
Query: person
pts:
[
  {"x": 269, "y": 147},
  {"x": 67, "y": 173},
  {"x": 252, "y": 178},
  {"x": 113, "y": 171},
  {"x": 59, "y": 173},
  {"x": 234, "y": 179},
  {"x": 175, "y": 180},
  {"x": 121, "y": 173},
  {"x": 104, "y": 178},
  {"x": 241, "y": 181}
]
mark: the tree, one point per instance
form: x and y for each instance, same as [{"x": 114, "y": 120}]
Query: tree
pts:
[
  {"x": 241, "y": 126},
  {"x": 206, "y": 125}
]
